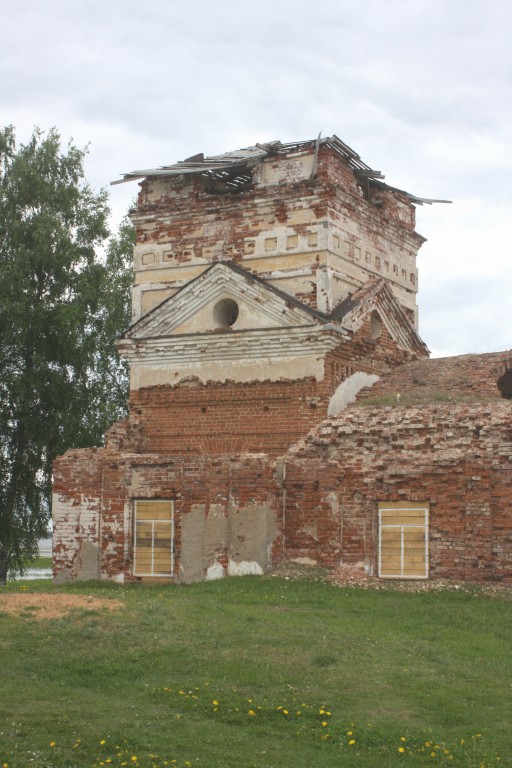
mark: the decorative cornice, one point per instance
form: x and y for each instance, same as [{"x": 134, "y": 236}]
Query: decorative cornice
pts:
[{"x": 275, "y": 343}]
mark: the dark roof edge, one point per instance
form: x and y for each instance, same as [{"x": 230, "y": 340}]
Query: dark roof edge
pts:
[{"x": 250, "y": 156}]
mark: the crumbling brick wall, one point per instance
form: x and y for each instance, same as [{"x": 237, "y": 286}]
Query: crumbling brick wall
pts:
[
  {"x": 227, "y": 518},
  {"x": 458, "y": 458},
  {"x": 316, "y": 238},
  {"x": 461, "y": 376},
  {"x": 250, "y": 417},
  {"x": 318, "y": 502}
]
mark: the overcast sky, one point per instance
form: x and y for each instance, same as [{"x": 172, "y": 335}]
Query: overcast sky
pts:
[{"x": 421, "y": 89}]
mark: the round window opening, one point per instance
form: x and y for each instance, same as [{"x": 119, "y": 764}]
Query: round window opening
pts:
[{"x": 225, "y": 313}]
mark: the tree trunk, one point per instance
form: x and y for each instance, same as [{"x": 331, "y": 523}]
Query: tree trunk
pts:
[{"x": 4, "y": 566}]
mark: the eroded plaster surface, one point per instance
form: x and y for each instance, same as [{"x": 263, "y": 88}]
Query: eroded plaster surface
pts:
[
  {"x": 264, "y": 369},
  {"x": 348, "y": 389},
  {"x": 298, "y": 214},
  {"x": 216, "y": 544}
]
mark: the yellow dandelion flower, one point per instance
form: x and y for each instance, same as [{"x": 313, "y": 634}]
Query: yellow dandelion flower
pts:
[
  {"x": 402, "y": 738},
  {"x": 215, "y": 703},
  {"x": 52, "y": 743},
  {"x": 401, "y": 749},
  {"x": 462, "y": 742},
  {"x": 102, "y": 741},
  {"x": 351, "y": 742},
  {"x": 299, "y": 713},
  {"x": 324, "y": 723},
  {"x": 5, "y": 765},
  {"x": 349, "y": 733},
  {"x": 285, "y": 711},
  {"x": 328, "y": 714},
  {"x": 108, "y": 760},
  {"x": 321, "y": 712},
  {"x": 432, "y": 754},
  {"x": 251, "y": 713},
  {"x": 134, "y": 758}
]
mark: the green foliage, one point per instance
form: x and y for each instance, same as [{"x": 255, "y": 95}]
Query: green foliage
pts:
[
  {"x": 62, "y": 302},
  {"x": 257, "y": 672}
]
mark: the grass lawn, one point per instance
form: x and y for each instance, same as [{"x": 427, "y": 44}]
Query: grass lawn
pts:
[
  {"x": 39, "y": 562},
  {"x": 257, "y": 673}
]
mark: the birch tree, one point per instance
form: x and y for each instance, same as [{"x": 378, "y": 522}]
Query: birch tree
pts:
[{"x": 63, "y": 300}]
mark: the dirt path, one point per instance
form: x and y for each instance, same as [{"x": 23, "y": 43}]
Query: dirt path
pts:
[{"x": 38, "y": 605}]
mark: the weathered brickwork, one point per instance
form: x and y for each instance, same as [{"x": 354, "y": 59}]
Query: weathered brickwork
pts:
[
  {"x": 458, "y": 458},
  {"x": 226, "y": 505},
  {"x": 253, "y": 417},
  {"x": 315, "y": 238},
  {"x": 470, "y": 376},
  {"x": 266, "y": 299},
  {"x": 318, "y": 502}
]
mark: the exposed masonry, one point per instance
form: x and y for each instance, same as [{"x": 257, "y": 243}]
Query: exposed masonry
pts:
[
  {"x": 319, "y": 501},
  {"x": 273, "y": 287},
  {"x": 462, "y": 376},
  {"x": 315, "y": 238},
  {"x": 458, "y": 457}
]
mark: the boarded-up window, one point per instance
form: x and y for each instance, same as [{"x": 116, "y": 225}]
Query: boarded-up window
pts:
[
  {"x": 403, "y": 540},
  {"x": 153, "y": 551}
]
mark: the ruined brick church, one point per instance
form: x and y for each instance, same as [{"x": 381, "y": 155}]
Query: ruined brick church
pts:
[{"x": 282, "y": 404}]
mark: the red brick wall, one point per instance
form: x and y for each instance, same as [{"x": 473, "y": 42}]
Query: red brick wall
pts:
[
  {"x": 229, "y": 418},
  {"x": 463, "y": 375},
  {"x": 254, "y": 417},
  {"x": 94, "y": 490},
  {"x": 196, "y": 223},
  {"x": 456, "y": 457}
]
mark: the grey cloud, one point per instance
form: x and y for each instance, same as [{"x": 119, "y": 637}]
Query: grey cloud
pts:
[{"x": 422, "y": 90}]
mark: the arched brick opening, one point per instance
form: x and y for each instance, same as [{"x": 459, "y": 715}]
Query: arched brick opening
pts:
[
  {"x": 375, "y": 325},
  {"x": 505, "y": 381}
]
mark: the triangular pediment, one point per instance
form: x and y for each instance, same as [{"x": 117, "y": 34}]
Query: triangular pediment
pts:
[
  {"x": 223, "y": 298},
  {"x": 376, "y": 301}
]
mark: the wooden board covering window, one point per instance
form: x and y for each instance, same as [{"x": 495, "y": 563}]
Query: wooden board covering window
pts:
[
  {"x": 153, "y": 552},
  {"x": 403, "y": 540}
]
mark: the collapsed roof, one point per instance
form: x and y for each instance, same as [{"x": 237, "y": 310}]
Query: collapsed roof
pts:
[{"x": 234, "y": 168}]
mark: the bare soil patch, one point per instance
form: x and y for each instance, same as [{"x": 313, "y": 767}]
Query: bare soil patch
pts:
[
  {"x": 352, "y": 576},
  {"x": 52, "y": 606}
]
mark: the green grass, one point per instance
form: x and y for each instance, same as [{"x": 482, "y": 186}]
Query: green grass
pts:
[
  {"x": 426, "y": 396},
  {"x": 39, "y": 562},
  {"x": 245, "y": 672}
]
